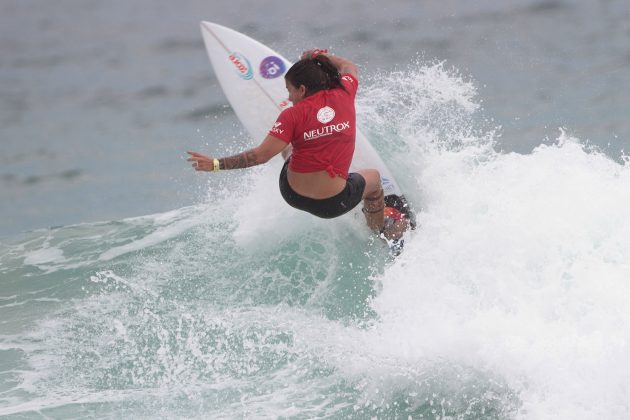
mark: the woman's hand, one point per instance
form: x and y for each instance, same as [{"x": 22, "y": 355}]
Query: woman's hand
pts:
[
  {"x": 201, "y": 162},
  {"x": 312, "y": 53}
]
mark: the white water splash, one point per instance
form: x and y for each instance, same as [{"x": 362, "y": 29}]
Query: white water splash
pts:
[{"x": 520, "y": 267}]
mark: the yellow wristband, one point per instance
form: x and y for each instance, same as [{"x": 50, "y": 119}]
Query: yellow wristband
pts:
[{"x": 216, "y": 164}]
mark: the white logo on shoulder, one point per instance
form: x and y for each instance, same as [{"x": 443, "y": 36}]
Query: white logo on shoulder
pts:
[
  {"x": 325, "y": 114},
  {"x": 276, "y": 128}
]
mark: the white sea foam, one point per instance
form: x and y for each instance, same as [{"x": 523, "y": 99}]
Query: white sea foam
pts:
[
  {"x": 44, "y": 256},
  {"x": 521, "y": 268},
  {"x": 167, "y": 225}
]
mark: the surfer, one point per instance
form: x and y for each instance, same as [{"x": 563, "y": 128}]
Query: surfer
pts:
[{"x": 317, "y": 137}]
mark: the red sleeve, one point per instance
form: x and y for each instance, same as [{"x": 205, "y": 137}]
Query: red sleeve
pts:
[
  {"x": 284, "y": 126},
  {"x": 350, "y": 83}
]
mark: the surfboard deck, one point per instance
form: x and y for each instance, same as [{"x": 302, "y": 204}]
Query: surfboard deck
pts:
[{"x": 251, "y": 76}]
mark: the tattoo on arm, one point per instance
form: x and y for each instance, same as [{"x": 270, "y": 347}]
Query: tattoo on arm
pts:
[{"x": 242, "y": 160}]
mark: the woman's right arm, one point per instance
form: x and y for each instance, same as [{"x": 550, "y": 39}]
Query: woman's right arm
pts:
[{"x": 270, "y": 147}]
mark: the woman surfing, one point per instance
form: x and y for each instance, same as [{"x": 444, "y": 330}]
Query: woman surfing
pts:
[{"x": 317, "y": 138}]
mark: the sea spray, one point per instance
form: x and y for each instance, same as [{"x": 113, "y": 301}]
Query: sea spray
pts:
[{"x": 520, "y": 271}]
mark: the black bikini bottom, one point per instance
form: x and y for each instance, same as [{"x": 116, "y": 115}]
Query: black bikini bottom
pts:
[{"x": 326, "y": 208}]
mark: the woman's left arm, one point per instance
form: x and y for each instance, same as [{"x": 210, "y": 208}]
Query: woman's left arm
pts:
[{"x": 270, "y": 147}]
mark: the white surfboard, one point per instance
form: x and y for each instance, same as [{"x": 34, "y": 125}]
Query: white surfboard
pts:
[{"x": 251, "y": 75}]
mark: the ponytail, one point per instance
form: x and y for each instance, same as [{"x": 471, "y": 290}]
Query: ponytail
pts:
[
  {"x": 316, "y": 73},
  {"x": 334, "y": 78}
]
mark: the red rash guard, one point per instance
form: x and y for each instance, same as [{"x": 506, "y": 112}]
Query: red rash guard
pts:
[{"x": 322, "y": 130}]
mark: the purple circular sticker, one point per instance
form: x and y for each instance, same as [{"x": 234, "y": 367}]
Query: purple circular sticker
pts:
[{"x": 272, "y": 67}]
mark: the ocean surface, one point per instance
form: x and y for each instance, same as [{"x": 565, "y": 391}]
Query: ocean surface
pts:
[{"x": 133, "y": 287}]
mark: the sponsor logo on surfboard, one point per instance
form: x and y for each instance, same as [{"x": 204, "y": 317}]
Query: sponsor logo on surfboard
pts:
[
  {"x": 272, "y": 67},
  {"x": 388, "y": 185},
  {"x": 243, "y": 68},
  {"x": 326, "y": 130},
  {"x": 325, "y": 114}
]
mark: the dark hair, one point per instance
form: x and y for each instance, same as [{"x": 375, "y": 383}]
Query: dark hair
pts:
[{"x": 315, "y": 74}]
